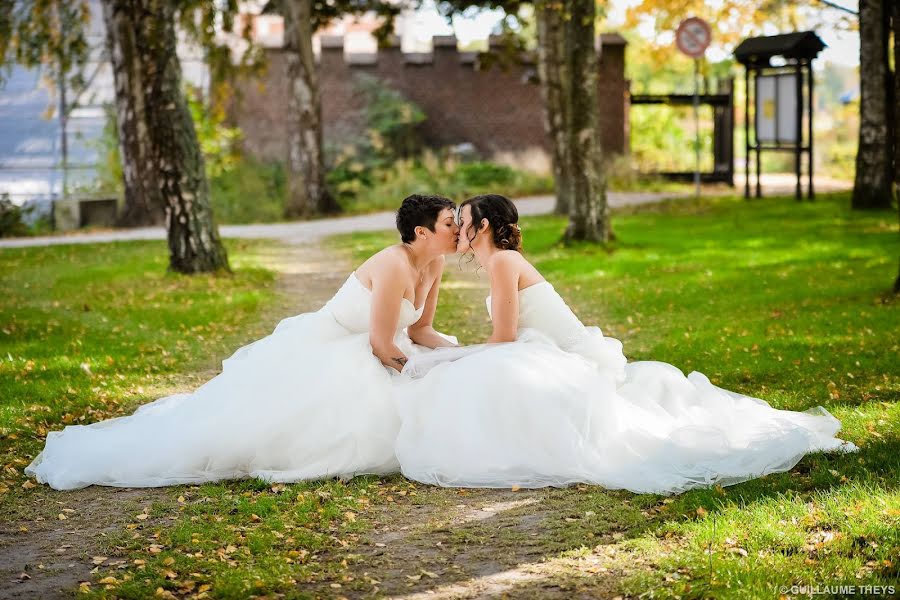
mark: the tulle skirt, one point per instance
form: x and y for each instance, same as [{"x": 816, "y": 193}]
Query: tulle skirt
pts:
[
  {"x": 306, "y": 402},
  {"x": 530, "y": 414}
]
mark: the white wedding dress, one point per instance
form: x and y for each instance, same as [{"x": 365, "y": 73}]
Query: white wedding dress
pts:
[
  {"x": 561, "y": 405},
  {"x": 308, "y": 401}
]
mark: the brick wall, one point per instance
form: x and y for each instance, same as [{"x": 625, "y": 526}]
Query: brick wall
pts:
[{"x": 496, "y": 109}]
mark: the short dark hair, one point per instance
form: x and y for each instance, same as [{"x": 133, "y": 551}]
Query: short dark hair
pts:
[{"x": 420, "y": 210}]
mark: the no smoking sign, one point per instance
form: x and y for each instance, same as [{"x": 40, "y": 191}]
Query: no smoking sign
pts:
[{"x": 693, "y": 37}]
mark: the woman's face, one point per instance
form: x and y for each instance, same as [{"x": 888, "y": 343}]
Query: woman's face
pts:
[
  {"x": 466, "y": 231},
  {"x": 446, "y": 231}
]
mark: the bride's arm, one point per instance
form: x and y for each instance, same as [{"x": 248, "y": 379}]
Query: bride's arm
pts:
[
  {"x": 387, "y": 294},
  {"x": 504, "y": 298},
  {"x": 422, "y": 331}
]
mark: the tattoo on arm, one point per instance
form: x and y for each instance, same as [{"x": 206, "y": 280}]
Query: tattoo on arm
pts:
[{"x": 400, "y": 360}]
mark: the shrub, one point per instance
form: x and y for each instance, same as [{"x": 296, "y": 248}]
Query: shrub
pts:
[
  {"x": 249, "y": 192},
  {"x": 12, "y": 218}
]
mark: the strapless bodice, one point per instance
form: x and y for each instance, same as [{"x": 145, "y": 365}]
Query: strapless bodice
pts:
[
  {"x": 352, "y": 306},
  {"x": 543, "y": 309}
]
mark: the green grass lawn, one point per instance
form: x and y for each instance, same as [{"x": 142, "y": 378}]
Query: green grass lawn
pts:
[
  {"x": 777, "y": 299},
  {"x": 781, "y": 300},
  {"x": 91, "y": 331}
]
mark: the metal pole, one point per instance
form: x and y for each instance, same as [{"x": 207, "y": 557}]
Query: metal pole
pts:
[
  {"x": 799, "y": 129},
  {"x": 747, "y": 131},
  {"x": 730, "y": 133},
  {"x": 756, "y": 131},
  {"x": 809, "y": 191},
  {"x": 696, "y": 128}
]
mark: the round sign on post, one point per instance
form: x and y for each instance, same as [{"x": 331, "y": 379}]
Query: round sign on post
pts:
[{"x": 693, "y": 36}]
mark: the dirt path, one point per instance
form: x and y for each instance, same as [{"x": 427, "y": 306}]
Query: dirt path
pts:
[
  {"x": 429, "y": 543},
  {"x": 451, "y": 543},
  {"x": 53, "y": 540}
]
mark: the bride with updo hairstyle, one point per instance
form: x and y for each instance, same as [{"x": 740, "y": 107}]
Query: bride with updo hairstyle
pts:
[
  {"x": 503, "y": 216},
  {"x": 548, "y": 401}
]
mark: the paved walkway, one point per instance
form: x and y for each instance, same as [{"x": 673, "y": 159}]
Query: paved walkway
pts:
[{"x": 302, "y": 232}]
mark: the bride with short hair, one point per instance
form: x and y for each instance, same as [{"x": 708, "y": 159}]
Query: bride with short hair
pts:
[{"x": 313, "y": 399}]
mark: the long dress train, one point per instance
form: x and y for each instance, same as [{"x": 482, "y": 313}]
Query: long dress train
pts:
[
  {"x": 562, "y": 405},
  {"x": 308, "y": 401}
]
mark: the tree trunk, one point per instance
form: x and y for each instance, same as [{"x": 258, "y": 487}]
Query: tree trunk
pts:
[
  {"x": 143, "y": 201},
  {"x": 307, "y": 193},
  {"x": 872, "y": 187},
  {"x": 164, "y": 121},
  {"x": 895, "y": 26},
  {"x": 551, "y": 54},
  {"x": 589, "y": 213}
]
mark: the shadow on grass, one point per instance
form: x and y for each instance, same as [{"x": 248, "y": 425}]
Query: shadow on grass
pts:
[{"x": 575, "y": 542}]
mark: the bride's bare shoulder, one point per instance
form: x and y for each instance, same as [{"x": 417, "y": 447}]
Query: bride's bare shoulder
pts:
[
  {"x": 387, "y": 262},
  {"x": 508, "y": 259},
  {"x": 512, "y": 265}
]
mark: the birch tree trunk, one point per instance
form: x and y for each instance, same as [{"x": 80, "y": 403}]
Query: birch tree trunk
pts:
[
  {"x": 551, "y": 69},
  {"x": 589, "y": 212},
  {"x": 872, "y": 187},
  {"x": 143, "y": 201},
  {"x": 174, "y": 152},
  {"x": 307, "y": 192},
  {"x": 895, "y": 26}
]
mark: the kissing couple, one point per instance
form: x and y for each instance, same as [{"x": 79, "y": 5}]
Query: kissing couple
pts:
[{"x": 367, "y": 385}]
